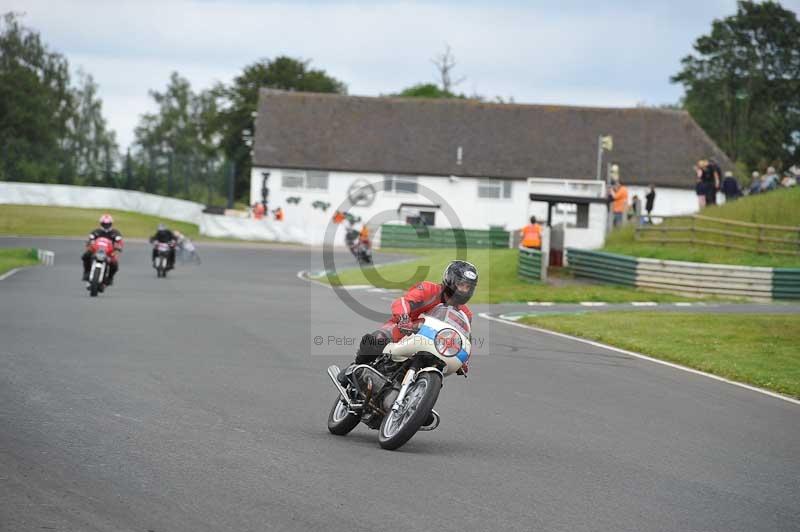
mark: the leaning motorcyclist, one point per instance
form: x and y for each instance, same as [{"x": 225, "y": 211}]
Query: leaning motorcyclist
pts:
[
  {"x": 106, "y": 230},
  {"x": 458, "y": 284},
  {"x": 165, "y": 236}
]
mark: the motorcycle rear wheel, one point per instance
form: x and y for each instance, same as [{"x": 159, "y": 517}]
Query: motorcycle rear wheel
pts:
[
  {"x": 340, "y": 420},
  {"x": 398, "y": 427}
]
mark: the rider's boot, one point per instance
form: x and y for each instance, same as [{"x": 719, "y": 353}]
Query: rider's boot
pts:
[
  {"x": 86, "y": 276},
  {"x": 369, "y": 349}
]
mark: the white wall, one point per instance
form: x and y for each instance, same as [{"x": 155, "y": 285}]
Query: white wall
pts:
[
  {"x": 160, "y": 206},
  {"x": 669, "y": 201},
  {"x": 100, "y": 198},
  {"x": 461, "y": 194}
]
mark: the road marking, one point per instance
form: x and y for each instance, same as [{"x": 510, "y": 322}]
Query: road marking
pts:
[
  {"x": 303, "y": 274},
  {"x": 593, "y": 303},
  {"x": 515, "y": 316},
  {"x": 644, "y": 303},
  {"x": 540, "y": 303},
  {"x": 643, "y": 357},
  {"x": 683, "y": 304},
  {"x": 9, "y": 274}
]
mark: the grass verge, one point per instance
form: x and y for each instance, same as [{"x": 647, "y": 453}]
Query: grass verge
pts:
[
  {"x": 757, "y": 349},
  {"x": 498, "y": 279},
  {"x": 35, "y": 220},
  {"x": 16, "y": 258},
  {"x": 778, "y": 207}
]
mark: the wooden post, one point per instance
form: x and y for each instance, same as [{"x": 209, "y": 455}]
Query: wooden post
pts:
[
  {"x": 546, "y": 253},
  {"x": 760, "y": 236},
  {"x": 691, "y": 235}
]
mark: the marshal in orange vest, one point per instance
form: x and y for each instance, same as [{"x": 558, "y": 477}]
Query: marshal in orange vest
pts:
[{"x": 532, "y": 235}]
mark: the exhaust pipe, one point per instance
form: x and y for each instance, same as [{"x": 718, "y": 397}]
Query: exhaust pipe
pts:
[
  {"x": 333, "y": 373},
  {"x": 436, "y": 421}
]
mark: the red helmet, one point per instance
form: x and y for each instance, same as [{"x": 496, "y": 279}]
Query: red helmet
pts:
[{"x": 106, "y": 221}]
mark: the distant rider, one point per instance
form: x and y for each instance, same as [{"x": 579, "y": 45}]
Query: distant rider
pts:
[
  {"x": 165, "y": 236},
  {"x": 458, "y": 284},
  {"x": 106, "y": 231}
]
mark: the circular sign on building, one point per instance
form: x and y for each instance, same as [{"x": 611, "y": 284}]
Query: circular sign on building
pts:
[{"x": 361, "y": 193}]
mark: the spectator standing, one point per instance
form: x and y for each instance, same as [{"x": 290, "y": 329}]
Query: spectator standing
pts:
[
  {"x": 730, "y": 187},
  {"x": 700, "y": 187},
  {"x": 650, "y": 199},
  {"x": 789, "y": 181},
  {"x": 619, "y": 199},
  {"x": 258, "y": 211},
  {"x": 755, "y": 183},
  {"x": 531, "y": 235},
  {"x": 710, "y": 177}
]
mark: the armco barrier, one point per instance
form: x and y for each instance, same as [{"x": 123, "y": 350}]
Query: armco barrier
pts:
[
  {"x": 786, "y": 283},
  {"x": 529, "y": 265},
  {"x": 687, "y": 278},
  {"x": 608, "y": 267},
  {"x": 407, "y": 236}
]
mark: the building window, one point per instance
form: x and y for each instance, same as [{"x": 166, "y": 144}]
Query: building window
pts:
[
  {"x": 292, "y": 179},
  {"x": 308, "y": 180},
  {"x": 402, "y": 184},
  {"x": 317, "y": 180},
  {"x": 494, "y": 188}
]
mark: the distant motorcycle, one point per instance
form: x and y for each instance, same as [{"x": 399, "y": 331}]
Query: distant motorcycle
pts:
[
  {"x": 102, "y": 250},
  {"x": 161, "y": 262},
  {"x": 396, "y": 393},
  {"x": 361, "y": 250}
]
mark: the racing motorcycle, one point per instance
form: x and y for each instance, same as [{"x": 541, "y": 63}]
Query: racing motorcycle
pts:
[
  {"x": 161, "y": 262},
  {"x": 102, "y": 250},
  {"x": 361, "y": 250},
  {"x": 396, "y": 393}
]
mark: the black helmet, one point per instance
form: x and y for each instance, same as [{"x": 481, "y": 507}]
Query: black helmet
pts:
[{"x": 459, "y": 281}]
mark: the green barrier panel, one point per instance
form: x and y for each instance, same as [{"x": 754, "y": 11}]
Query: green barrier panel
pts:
[
  {"x": 406, "y": 236},
  {"x": 606, "y": 267},
  {"x": 529, "y": 265},
  {"x": 786, "y": 283}
]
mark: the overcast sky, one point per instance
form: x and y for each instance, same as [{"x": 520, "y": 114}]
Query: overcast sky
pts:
[{"x": 612, "y": 53}]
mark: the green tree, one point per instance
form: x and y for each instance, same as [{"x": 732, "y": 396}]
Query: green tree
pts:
[
  {"x": 427, "y": 90},
  {"x": 170, "y": 135},
  {"x": 743, "y": 84},
  {"x": 35, "y": 106},
  {"x": 241, "y": 99},
  {"x": 92, "y": 146}
]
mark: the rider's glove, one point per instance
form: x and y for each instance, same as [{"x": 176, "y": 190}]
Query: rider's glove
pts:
[{"x": 404, "y": 323}]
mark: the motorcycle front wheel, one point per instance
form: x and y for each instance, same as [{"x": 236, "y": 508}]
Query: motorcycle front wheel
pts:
[
  {"x": 398, "y": 427},
  {"x": 340, "y": 420},
  {"x": 94, "y": 283}
]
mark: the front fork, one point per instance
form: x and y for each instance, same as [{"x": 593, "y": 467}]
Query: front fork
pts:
[{"x": 408, "y": 380}]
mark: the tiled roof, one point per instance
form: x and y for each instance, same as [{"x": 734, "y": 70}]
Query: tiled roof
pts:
[{"x": 422, "y": 137}]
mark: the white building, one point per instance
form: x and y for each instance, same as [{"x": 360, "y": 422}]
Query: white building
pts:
[{"x": 464, "y": 163}]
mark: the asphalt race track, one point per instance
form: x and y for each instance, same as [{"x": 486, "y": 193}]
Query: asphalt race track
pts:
[{"x": 199, "y": 403}]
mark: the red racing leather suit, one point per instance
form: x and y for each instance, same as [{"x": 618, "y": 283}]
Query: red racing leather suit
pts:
[
  {"x": 111, "y": 234},
  {"x": 419, "y": 299}
]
